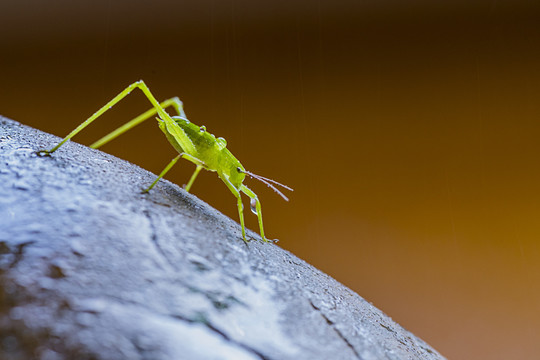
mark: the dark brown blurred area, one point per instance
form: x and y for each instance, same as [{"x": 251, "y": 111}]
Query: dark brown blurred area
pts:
[{"x": 410, "y": 132}]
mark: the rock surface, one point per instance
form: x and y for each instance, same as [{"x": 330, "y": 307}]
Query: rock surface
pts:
[{"x": 90, "y": 268}]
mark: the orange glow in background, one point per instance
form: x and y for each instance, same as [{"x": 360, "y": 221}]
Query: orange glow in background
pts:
[{"x": 410, "y": 133}]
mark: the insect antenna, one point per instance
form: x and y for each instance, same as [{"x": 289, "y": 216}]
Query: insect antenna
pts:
[{"x": 269, "y": 183}]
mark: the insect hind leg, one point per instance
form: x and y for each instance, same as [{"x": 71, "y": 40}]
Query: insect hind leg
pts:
[
  {"x": 138, "y": 84},
  {"x": 175, "y": 102}
]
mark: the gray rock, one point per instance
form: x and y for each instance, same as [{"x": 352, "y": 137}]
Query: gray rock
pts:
[{"x": 90, "y": 268}]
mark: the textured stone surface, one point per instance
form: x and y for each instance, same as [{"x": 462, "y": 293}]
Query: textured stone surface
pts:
[{"x": 90, "y": 268}]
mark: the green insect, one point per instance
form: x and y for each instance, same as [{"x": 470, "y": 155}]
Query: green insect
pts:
[{"x": 193, "y": 143}]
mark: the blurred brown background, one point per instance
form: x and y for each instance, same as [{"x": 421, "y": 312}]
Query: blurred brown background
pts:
[{"x": 410, "y": 132}]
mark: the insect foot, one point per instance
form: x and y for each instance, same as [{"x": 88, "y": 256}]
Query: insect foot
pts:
[{"x": 43, "y": 153}]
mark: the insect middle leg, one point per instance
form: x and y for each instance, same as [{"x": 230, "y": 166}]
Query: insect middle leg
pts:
[
  {"x": 193, "y": 177},
  {"x": 191, "y": 158}
]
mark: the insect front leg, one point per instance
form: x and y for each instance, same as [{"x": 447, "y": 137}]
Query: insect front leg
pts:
[
  {"x": 258, "y": 210},
  {"x": 236, "y": 193}
]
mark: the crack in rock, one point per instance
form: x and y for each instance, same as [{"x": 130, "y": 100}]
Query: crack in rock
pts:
[
  {"x": 154, "y": 239},
  {"x": 227, "y": 338},
  {"x": 336, "y": 330}
]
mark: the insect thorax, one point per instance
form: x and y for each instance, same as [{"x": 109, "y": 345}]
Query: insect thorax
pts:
[{"x": 210, "y": 150}]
